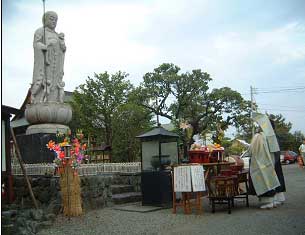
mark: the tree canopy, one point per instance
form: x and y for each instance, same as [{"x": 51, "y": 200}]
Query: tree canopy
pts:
[
  {"x": 110, "y": 108},
  {"x": 102, "y": 108},
  {"x": 187, "y": 97}
]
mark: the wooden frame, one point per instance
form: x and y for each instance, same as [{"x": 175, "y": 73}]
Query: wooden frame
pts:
[{"x": 186, "y": 198}]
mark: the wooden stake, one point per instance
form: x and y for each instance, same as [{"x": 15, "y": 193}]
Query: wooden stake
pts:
[{"x": 23, "y": 169}]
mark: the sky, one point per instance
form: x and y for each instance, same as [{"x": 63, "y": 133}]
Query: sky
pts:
[{"x": 241, "y": 44}]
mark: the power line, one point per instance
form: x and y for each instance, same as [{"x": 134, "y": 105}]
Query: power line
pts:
[
  {"x": 285, "y": 110},
  {"x": 282, "y": 106},
  {"x": 281, "y": 91},
  {"x": 275, "y": 92},
  {"x": 256, "y": 90},
  {"x": 283, "y": 87}
]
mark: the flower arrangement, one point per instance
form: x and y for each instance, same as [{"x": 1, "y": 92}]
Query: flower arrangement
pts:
[{"x": 68, "y": 152}]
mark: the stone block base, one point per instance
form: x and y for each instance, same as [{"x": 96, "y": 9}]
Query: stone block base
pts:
[
  {"x": 49, "y": 128},
  {"x": 34, "y": 149}
]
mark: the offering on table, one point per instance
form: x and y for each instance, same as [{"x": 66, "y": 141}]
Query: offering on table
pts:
[{"x": 205, "y": 154}]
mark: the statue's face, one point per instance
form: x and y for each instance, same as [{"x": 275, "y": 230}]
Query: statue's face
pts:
[{"x": 51, "y": 21}]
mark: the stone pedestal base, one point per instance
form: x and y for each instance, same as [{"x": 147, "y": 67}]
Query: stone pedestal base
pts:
[
  {"x": 48, "y": 128},
  {"x": 33, "y": 148}
]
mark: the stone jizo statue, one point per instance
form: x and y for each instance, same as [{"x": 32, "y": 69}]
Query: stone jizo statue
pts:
[
  {"x": 47, "y": 112},
  {"x": 49, "y": 55}
]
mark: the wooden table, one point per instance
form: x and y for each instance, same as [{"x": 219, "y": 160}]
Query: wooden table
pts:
[{"x": 187, "y": 196}]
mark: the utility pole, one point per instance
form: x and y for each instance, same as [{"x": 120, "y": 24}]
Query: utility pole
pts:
[{"x": 252, "y": 108}]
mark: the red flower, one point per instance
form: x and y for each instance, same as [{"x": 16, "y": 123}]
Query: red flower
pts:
[
  {"x": 62, "y": 155},
  {"x": 57, "y": 148}
]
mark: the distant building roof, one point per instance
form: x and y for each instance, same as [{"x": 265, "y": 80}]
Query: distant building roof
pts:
[
  {"x": 10, "y": 110},
  {"x": 102, "y": 147}
]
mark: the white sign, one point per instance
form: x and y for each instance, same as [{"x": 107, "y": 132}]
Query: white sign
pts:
[
  {"x": 198, "y": 181},
  {"x": 182, "y": 179},
  {"x": 189, "y": 178}
]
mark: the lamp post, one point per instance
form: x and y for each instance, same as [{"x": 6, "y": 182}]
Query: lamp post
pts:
[{"x": 67, "y": 157}]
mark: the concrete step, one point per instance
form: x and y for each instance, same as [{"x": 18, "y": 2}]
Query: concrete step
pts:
[
  {"x": 126, "y": 197},
  {"x": 121, "y": 188},
  {"x": 118, "y": 179}
]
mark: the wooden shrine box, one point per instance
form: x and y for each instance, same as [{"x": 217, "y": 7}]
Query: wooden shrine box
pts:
[{"x": 101, "y": 153}]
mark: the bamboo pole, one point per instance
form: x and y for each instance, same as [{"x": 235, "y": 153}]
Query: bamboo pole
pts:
[{"x": 23, "y": 169}]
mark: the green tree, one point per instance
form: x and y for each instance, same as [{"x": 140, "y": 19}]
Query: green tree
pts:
[
  {"x": 129, "y": 121},
  {"x": 102, "y": 107},
  {"x": 298, "y": 140},
  {"x": 186, "y": 96},
  {"x": 245, "y": 123},
  {"x": 286, "y": 139},
  {"x": 95, "y": 102}
]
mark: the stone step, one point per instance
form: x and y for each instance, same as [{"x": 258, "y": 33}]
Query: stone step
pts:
[
  {"x": 120, "y": 180},
  {"x": 121, "y": 188},
  {"x": 126, "y": 197}
]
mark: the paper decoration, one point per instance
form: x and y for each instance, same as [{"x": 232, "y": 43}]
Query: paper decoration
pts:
[
  {"x": 197, "y": 174},
  {"x": 182, "y": 179}
]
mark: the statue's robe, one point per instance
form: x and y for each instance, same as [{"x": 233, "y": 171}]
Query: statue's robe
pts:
[{"x": 50, "y": 76}]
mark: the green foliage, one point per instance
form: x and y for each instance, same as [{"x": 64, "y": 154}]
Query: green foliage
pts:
[
  {"x": 103, "y": 108},
  {"x": 109, "y": 108},
  {"x": 95, "y": 102},
  {"x": 186, "y": 96},
  {"x": 129, "y": 121},
  {"x": 287, "y": 140}
]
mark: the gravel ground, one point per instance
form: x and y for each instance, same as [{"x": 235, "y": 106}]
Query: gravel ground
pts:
[{"x": 287, "y": 219}]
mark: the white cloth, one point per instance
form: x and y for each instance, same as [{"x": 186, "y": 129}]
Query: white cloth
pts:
[
  {"x": 266, "y": 126},
  {"x": 302, "y": 148},
  {"x": 262, "y": 170}
]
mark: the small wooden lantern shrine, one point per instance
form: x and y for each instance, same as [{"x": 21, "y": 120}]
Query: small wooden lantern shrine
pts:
[{"x": 159, "y": 149}]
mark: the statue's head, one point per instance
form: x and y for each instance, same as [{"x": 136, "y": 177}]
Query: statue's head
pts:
[{"x": 49, "y": 19}]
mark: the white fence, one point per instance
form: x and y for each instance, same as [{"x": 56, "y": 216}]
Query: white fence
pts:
[{"x": 84, "y": 169}]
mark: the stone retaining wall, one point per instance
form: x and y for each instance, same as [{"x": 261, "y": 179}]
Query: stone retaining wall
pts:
[
  {"x": 21, "y": 218},
  {"x": 95, "y": 190}
]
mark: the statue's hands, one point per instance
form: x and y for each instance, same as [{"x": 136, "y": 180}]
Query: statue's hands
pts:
[
  {"x": 52, "y": 42},
  {"x": 63, "y": 47},
  {"x": 43, "y": 47},
  {"x": 61, "y": 36}
]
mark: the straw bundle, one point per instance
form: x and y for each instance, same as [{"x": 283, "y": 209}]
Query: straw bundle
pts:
[{"x": 71, "y": 193}]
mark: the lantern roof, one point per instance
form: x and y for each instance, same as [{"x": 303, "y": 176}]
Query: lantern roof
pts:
[{"x": 158, "y": 132}]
